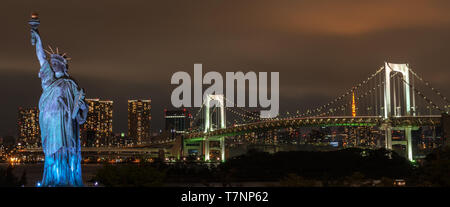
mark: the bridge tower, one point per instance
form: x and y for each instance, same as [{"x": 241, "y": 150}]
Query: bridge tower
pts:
[
  {"x": 214, "y": 120},
  {"x": 404, "y": 70}
]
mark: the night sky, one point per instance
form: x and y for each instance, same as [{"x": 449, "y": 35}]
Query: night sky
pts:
[{"x": 129, "y": 49}]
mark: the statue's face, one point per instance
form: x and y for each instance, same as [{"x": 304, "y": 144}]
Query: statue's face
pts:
[{"x": 57, "y": 65}]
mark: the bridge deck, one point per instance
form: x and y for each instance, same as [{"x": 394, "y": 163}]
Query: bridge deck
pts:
[{"x": 404, "y": 121}]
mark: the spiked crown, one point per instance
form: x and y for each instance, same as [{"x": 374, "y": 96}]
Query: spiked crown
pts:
[{"x": 62, "y": 57}]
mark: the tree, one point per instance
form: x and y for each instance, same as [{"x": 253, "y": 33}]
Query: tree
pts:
[
  {"x": 7, "y": 178},
  {"x": 435, "y": 170},
  {"x": 293, "y": 180}
]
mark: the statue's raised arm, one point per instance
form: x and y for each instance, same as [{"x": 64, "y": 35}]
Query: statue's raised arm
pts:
[{"x": 36, "y": 38}]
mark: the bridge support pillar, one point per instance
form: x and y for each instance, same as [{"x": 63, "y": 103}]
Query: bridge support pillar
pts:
[
  {"x": 408, "y": 136},
  {"x": 212, "y": 124},
  {"x": 222, "y": 149},
  {"x": 206, "y": 149},
  {"x": 404, "y": 70},
  {"x": 388, "y": 137},
  {"x": 409, "y": 143}
]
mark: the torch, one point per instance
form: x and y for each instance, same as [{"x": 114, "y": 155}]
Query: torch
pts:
[{"x": 34, "y": 23}]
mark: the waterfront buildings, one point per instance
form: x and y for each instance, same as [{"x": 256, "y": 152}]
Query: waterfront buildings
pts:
[
  {"x": 29, "y": 135},
  {"x": 177, "y": 121},
  {"x": 139, "y": 118},
  {"x": 97, "y": 131}
]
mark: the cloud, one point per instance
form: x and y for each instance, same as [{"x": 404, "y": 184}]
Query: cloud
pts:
[{"x": 350, "y": 17}]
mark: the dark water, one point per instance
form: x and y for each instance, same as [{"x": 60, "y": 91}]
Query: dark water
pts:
[{"x": 34, "y": 172}]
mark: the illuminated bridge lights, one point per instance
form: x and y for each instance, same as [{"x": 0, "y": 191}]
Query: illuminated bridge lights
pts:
[{"x": 322, "y": 122}]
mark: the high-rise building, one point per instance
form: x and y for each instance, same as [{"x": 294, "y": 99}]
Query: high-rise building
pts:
[
  {"x": 28, "y": 127},
  {"x": 97, "y": 130},
  {"x": 139, "y": 118},
  {"x": 177, "y": 121}
]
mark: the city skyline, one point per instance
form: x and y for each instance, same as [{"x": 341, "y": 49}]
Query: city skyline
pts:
[
  {"x": 301, "y": 40},
  {"x": 258, "y": 93}
]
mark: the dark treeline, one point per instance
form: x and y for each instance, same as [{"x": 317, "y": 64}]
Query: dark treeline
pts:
[
  {"x": 347, "y": 167},
  {"x": 318, "y": 165}
]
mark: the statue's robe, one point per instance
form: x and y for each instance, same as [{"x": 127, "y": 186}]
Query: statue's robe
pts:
[{"x": 60, "y": 131}]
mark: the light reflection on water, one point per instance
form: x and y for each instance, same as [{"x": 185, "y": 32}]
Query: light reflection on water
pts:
[{"x": 34, "y": 172}]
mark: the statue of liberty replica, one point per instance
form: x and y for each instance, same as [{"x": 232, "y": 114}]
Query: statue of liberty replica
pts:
[{"x": 61, "y": 111}]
